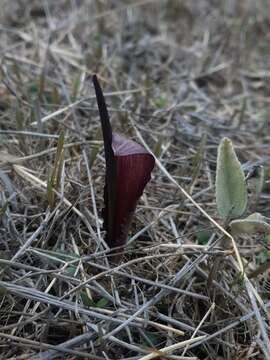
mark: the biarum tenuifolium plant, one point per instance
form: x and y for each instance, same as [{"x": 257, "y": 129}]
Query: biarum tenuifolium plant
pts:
[
  {"x": 232, "y": 194},
  {"x": 128, "y": 170}
]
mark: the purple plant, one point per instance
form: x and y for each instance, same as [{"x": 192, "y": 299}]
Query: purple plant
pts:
[{"x": 128, "y": 170}]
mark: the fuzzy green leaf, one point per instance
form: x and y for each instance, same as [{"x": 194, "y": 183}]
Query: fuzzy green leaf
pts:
[
  {"x": 231, "y": 189},
  {"x": 253, "y": 224}
]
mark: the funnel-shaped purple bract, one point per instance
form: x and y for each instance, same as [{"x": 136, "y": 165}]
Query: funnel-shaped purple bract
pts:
[{"x": 128, "y": 170}]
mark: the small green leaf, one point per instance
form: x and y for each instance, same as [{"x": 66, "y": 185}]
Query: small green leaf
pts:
[
  {"x": 89, "y": 302},
  {"x": 231, "y": 190},
  {"x": 160, "y": 102},
  {"x": 203, "y": 236},
  {"x": 76, "y": 86},
  {"x": 59, "y": 151},
  {"x": 59, "y": 170},
  {"x": 86, "y": 300},
  {"x": 253, "y": 224},
  {"x": 267, "y": 239},
  {"x": 70, "y": 270},
  {"x": 261, "y": 258},
  {"x": 158, "y": 146},
  {"x": 54, "y": 179},
  {"x": 101, "y": 303},
  {"x": 151, "y": 339}
]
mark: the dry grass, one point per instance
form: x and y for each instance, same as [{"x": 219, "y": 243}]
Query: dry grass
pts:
[{"x": 178, "y": 76}]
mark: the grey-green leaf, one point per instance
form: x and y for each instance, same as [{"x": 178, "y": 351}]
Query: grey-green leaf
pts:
[
  {"x": 253, "y": 224},
  {"x": 231, "y": 189}
]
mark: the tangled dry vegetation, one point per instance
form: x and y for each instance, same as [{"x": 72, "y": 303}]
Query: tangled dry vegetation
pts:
[{"x": 177, "y": 76}]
